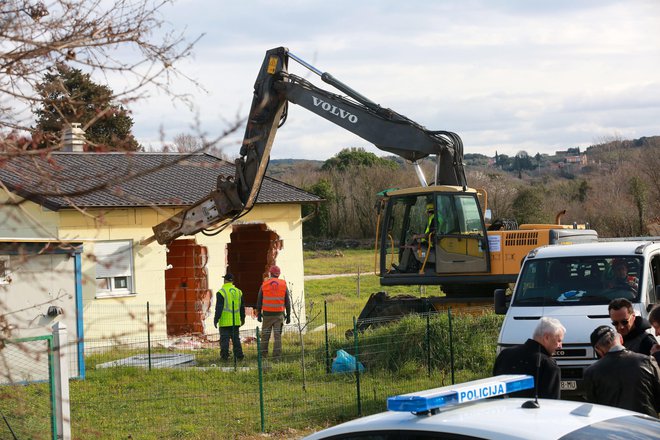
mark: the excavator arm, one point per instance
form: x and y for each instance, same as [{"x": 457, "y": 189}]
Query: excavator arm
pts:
[{"x": 274, "y": 88}]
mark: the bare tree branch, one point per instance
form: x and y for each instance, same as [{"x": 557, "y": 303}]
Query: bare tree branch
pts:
[{"x": 128, "y": 37}]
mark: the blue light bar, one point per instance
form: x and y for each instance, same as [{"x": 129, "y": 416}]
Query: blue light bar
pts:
[{"x": 437, "y": 398}]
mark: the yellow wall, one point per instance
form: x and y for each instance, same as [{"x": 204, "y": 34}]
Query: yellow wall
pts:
[
  {"x": 22, "y": 219},
  {"x": 124, "y": 318}
]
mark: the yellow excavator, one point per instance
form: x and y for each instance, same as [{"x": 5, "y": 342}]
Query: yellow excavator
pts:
[{"x": 434, "y": 234}]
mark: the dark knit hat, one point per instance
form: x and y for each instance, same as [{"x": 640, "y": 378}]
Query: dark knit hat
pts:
[
  {"x": 229, "y": 277},
  {"x": 600, "y": 331}
]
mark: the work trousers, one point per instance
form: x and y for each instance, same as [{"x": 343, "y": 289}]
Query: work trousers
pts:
[
  {"x": 272, "y": 324},
  {"x": 227, "y": 333}
]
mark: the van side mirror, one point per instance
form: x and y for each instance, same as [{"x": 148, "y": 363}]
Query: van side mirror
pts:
[{"x": 500, "y": 302}]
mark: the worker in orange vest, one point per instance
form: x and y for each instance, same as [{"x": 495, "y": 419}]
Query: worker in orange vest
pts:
[{"x": 273, "y": 308}]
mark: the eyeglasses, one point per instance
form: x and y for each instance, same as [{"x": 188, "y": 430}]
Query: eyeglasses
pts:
[{"x": 623, "y": 322}]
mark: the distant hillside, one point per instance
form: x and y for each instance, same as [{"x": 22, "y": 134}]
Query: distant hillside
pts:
[
  {"x": 558, "y": 163},
  {"x": 279, "y": 167}
]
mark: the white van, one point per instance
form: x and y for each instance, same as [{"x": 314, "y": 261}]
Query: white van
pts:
[{"x": 574, "y": 284}]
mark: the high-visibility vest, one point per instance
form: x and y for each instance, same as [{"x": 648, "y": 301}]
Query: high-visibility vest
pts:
[
  {"x": 429, "y": 223},
  {"x": 231, "y": 309},
  {"x": 273, "y": 292}
]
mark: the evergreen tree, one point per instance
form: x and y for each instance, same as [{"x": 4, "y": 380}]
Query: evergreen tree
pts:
[
  {"x": 68, "y": 95},
  {"x": 639, "y": 192},
  {"x": 319, "y": 225},
  {"x": 355, "y": 157},
  {"x": 528, "y": 206}
]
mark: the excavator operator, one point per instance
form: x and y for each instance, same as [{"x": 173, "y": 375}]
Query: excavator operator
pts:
[
  {"x": 430, "y": 223},
  {"x": 420, "y": 243}
]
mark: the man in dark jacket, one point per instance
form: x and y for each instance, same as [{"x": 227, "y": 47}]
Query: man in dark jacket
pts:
[
  {"x": 632, "y": 328},
  {"x": 534, "y": 357},
  {"x": 622, "y": 378},
  {"x": 654, "y": 319}
]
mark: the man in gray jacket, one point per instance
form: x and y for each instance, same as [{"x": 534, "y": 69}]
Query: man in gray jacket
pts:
[{"x": 622, "y": 378}]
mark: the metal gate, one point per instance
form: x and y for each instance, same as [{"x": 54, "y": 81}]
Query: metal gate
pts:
[{"x": 27, "y": 388}]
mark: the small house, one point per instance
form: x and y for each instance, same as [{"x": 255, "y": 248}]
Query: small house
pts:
[{"x": 107, "y": 203}]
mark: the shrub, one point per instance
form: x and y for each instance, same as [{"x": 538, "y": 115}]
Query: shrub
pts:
[{"x": 401, "y": 345}]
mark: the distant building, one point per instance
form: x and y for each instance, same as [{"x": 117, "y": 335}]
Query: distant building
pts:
[{"x": 572, "y": 156}]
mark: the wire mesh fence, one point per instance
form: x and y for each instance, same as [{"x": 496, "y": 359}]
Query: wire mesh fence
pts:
[
  {"x": 164, "y": 387},
  {"x": 156, "y": 386}
]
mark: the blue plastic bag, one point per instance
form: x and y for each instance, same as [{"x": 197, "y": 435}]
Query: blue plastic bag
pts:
[{"x": 345, "y": 363}]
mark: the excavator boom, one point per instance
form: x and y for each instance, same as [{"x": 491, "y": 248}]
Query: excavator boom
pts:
[{"x": 274, "y": 88}]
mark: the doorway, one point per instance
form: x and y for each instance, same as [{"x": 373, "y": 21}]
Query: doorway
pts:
[{"x": 252, "y": 249}]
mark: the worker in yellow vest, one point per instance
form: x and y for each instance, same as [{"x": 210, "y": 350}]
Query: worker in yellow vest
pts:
[
  {"x": 273, "y": 308},
  {"x": 229, "y": 316}
]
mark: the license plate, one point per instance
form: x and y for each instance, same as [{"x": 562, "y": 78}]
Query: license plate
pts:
[{"x": 568, "y": 385}]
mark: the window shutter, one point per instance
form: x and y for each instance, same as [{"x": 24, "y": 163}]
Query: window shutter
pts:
[{"x": 113, "y": 258}]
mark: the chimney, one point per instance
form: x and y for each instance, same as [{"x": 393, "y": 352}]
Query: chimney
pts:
[{"x": 73, "y": 138}]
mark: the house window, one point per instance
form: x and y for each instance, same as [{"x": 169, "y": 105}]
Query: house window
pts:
[{"x": 114, "y": 268}]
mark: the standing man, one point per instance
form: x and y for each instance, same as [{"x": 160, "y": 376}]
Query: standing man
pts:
[
  {"x": 632, "y": 328},
  {"x": 273, "y": 307},
  {"x": 229, "y": 316},
  {"x": 654, "y": 319},
  {"x": 622, "y": 378},
  {"x": 534, "y": 358}
]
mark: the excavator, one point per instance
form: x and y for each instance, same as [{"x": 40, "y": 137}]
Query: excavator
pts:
[{"x": 434, "y": 234}]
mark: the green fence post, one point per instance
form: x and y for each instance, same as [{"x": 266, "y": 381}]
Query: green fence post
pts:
[
  {"x": 51, "y": 375},
  {"x": 357, "y": 367},
  {"x": 148, "y": 336},
  {"x": 261, "y": 383},
  {"x": 327, "y": 344},
  {"x": 451, "y": 345},
  {"x": 428, "y": 337}
]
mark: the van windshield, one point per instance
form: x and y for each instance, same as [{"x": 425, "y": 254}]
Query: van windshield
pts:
[{"x": 581, "y": 280}]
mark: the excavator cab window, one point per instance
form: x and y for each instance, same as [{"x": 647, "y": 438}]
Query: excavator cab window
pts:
[
  {"x": 434, "y": 232},
  {"x": 408, "y": 221}
]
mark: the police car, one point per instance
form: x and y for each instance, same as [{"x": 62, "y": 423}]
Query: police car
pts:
[{"x": 466, "y": 412}]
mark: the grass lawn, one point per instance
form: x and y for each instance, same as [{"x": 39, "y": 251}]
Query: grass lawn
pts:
[
  {"x": 346, "y": 296},
  {"x": 339, "y": 261}
]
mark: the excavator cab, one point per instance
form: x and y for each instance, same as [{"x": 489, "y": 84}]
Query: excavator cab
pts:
[{"x": 429, "y": 233}]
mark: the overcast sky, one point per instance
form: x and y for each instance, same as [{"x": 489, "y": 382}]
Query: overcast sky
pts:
[{"x": 506, "y": 76}]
